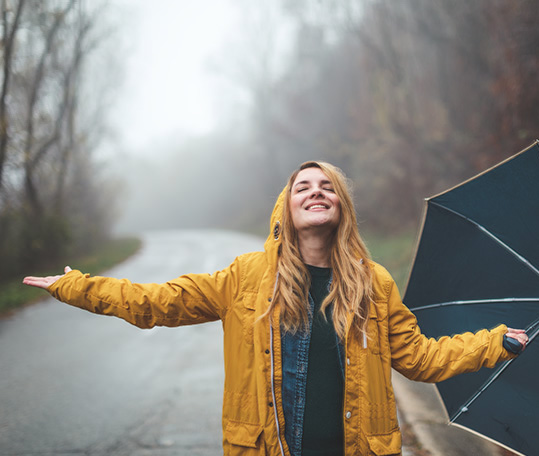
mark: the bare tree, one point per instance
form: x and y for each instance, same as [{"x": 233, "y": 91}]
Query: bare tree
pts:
[
  {"x": 9, "y": 30},
  {"x": 47, "y": 149}
]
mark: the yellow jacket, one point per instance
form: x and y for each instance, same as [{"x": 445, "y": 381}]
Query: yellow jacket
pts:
[{"x": 253, "y": 419}]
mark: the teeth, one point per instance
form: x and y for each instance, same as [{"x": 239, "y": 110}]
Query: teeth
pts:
[{"x": 317, "y": 206}]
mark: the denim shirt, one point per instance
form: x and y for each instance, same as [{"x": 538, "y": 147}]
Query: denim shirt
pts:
[{"x": 295, "y": 356}]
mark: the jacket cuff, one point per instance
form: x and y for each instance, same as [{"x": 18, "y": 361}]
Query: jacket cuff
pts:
[
  {"x": 497, "y": 334},
  {"x": 55, "y": 289}
]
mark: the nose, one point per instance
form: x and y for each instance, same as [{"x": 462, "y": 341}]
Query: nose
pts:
[{"x": 316, "y": 192}]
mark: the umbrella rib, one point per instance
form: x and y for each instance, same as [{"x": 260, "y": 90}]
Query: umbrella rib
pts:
[
  {"x": 473, "y": 301},
  {"x": 489, "y": 234},
  {"x": 533, "y": 331},
  {"x": 489, "y": 382}
]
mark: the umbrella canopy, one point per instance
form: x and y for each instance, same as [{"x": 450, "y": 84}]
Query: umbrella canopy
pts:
[{"x": 476, "y": 266}]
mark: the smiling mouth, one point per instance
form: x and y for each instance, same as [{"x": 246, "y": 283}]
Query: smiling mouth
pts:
[{"x": 317, "y": 206}]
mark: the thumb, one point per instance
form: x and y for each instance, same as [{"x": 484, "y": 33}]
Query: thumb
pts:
[{"x": 67, "y": 269}]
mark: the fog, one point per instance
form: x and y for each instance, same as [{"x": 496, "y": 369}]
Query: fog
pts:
[
  {"x": 222, "y": 99},
  {"x": 182, "y": 147}
]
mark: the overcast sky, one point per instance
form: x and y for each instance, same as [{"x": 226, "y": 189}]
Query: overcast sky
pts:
[{"x": 170, "y": 86}]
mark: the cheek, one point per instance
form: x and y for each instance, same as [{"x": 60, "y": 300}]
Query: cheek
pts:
[
  {"x": 338, "y": 207},
  {"x": 295, "y": 206}
]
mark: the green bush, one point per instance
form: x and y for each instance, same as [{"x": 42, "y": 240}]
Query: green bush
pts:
[{"x": 13, "y": 294}]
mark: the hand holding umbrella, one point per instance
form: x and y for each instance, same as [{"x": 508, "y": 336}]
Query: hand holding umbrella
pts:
[{"x": 517, "y": 335}]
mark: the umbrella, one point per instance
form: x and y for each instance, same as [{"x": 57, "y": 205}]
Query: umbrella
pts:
[{"x": 476, "y": 266}]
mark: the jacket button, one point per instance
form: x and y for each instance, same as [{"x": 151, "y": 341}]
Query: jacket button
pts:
[
  {"x": 348, "y": 415},
  {"x": 269, "y": 299},
  {"x": 267, "y": 352},
  {"x": 271, "y": 404}
]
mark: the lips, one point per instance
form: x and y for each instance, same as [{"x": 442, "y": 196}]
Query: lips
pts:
[{"x": 317, "y": 206}]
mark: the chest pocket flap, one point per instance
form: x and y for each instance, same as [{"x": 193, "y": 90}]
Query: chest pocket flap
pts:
[
  {"x": 242, "y": 434},
  {"x": 385, "y": 444}
]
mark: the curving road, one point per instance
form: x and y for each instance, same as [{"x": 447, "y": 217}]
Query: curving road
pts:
[{"x": 75, "y": 383}]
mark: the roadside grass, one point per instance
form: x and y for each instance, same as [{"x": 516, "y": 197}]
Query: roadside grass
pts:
[
  {"x": 13, "y": 294},
  {"x": 394, "y": 252}
]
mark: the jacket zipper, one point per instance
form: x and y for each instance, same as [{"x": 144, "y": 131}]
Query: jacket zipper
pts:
[
  {"x": 273, "y": 393},
  {"x": 273, "y": 374}
]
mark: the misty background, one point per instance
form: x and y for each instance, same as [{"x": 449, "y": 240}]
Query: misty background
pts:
[{"x": 122, "y": 116}]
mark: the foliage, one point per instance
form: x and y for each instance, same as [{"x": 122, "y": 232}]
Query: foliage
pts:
[{"x": 14, "y": 294}]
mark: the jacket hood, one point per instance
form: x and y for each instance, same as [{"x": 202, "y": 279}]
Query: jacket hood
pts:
[{"x": 273, "y": 241}]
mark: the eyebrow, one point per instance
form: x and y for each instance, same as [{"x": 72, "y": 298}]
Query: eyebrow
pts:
[{"x": 303, "y": 182}]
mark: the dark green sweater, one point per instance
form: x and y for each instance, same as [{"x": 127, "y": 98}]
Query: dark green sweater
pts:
[{"x": 323, "y": 422}]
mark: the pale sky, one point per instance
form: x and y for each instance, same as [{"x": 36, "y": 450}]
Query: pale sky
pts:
[{"x": 169, "y": 87}]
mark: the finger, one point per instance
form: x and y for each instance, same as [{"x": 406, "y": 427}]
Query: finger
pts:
[
  {"x": 30, "y": 280},
  {"x": 40, "y": 282},
  {"x": 520, "y": 337},
  {"x": 524, "y": 340},
  {"x": 67, "y": 269},
  {"x": 518, "y": 331}
]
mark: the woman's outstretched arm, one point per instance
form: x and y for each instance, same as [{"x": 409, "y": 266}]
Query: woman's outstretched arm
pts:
[{"x": 189, "y": 299}]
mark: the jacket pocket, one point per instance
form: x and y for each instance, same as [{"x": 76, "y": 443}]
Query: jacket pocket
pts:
[
  {"x": 243, "y": 439},
  {"x": 248, "y": 317},
  {"x": 372, "y": 340},
  {"x": 385, "y": 444}
]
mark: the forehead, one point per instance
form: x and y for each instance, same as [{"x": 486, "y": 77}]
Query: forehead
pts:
[{"x": 311, "y": 175}]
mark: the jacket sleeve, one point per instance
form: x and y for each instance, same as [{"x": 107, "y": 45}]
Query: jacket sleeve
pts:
[
  {"x": 433, "y": 360},
  {"x": 189, "y": 299}
]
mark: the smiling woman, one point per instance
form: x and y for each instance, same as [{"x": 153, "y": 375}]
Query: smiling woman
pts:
[{"x": 312, "y": 328}]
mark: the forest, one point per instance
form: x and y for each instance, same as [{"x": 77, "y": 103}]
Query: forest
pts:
[{"x": 408, "y": 97}]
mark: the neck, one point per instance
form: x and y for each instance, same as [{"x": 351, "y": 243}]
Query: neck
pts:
[{"x": 316, "y": 250}]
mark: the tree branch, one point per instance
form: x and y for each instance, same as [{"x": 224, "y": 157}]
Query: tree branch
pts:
[{"x": 9, "y": 40}]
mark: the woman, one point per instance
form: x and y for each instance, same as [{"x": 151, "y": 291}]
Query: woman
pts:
[{"x": 312, "y": 328}]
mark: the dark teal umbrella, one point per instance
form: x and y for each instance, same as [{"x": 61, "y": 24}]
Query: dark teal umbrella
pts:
[{"x": 476, "y": 266}]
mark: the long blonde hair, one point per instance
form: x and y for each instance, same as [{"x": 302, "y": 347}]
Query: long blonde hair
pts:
[{"x": 351, "y": 286}]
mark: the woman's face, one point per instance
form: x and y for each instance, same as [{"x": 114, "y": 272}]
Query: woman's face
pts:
[{"x": 313, "y": 201}]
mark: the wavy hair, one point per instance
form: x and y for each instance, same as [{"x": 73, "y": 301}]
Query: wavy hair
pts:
[{"x": 351, "y": 286}]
